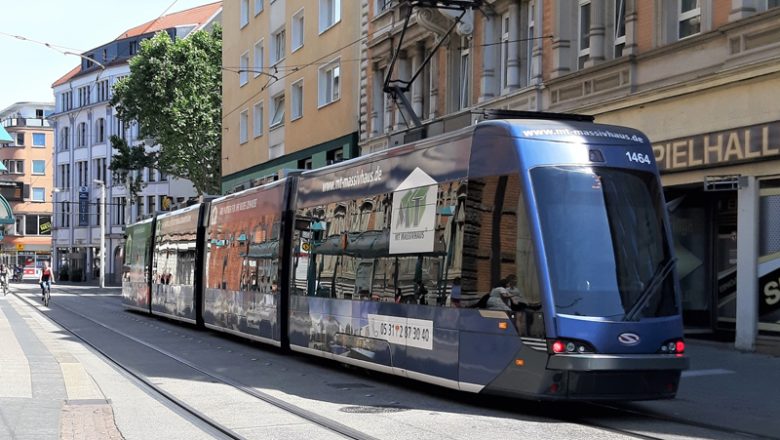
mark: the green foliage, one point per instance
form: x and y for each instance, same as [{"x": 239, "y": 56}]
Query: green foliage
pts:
[{"x": 174, "y": 93}]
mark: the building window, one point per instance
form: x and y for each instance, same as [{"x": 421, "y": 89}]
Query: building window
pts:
[
  {"x": 84, "y": 96},
  {"x": 139, "y": 201},
  {"x": 258, "y": 6},
  {"x": 329, "y": 83},
  {"x": 296, "y": 110},
  {"x": 39, "y": 139},
  {"x": 66, "y": 101},
  {"x": 82, "y": 171},
  {"x": 772, "y": 4},
  {"x": 620, "y": 27},
  {"x": 277, "y": 51},
  {"x": 257, "y": 119},
  {"x": 275, "y": 151},
  {"x": 20, "y": 139},
  {"x": 39, "y": 167},
  {"x": 152, "y": 174},
  {"x": 151, "y": 204},
  {"x": 330, "y": 13},
  {"x": 132, "y": 47},
  {"x": 531, "y": 36},
  {"x": 163, "y": 177},
  {"x": 297, "y": 30},
  {"x": 102, "y": 90},
  {"x": 119, "y": 210},
  {"x": 243, "y": 127},
  {"x": 244, "y": 13},
  {"x": 120, "y": 128},
  {"x": 64, "y": 176},
  {"x": 583, "y": 33},
  {"x": 81, "y": 134},
  {"x": 382, "y": 6},
  {"x": 505, "y": 51},
  {"x": 65, "y": 138},
  {"x": 304, "y": 164},
  {"x": 259, "y": 56},
  {"x": 688, "y": 18},
  {"x": 14, "y": 166},
  {"x": 243, "y": 66},
  {"x": 100, "y": 169},
  {"x": 65, "y": 214},
  {"x": 464, "y": 71},
  {"x": 100, "y": 130},
  {"x": 32, "y": 224},
  {"x": 277, "y": 111},
  {"x": 39, "y": 194}
]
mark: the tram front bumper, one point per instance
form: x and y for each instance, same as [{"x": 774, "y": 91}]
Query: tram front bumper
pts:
[{"x": 618, "y": 362}]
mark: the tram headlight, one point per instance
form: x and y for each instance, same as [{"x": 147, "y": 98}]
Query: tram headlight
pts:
[
  {"x": 561, "y": 346},
  {"x": 673, "y": 346}
]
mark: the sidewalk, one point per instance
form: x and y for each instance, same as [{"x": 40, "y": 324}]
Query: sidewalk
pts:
[{"x": 52, "y": 386}]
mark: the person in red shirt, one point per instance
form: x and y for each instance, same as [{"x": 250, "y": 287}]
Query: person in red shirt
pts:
[{"x": 45, "y": 280}]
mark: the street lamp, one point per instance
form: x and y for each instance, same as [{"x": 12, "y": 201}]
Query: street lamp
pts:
[{"x": 102, "y": 186}]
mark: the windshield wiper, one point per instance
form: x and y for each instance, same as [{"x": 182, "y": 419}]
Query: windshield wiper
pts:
[{"x": 659, "y": 276}]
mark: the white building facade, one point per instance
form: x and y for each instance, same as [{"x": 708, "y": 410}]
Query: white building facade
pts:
[{"x": 83, "y": 124}]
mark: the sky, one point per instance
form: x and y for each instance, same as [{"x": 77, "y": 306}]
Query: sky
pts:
[{"x": 28, "y": 69}]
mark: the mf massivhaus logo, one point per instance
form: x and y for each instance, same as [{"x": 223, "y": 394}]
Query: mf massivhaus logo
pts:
[
  {"x": 414, "y": 214},
  {"x": 413, "y": 205}
]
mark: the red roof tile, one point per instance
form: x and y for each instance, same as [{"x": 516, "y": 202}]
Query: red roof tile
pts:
[{"x": 197, "y": 16}]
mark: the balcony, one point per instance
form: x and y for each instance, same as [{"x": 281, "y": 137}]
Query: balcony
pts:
[{"x": 26, "y": 122}]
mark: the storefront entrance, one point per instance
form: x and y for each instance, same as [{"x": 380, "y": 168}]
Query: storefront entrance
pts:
[{"x": 704, "y": 231}]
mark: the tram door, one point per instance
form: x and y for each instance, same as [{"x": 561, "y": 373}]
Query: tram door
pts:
[{"x": 725, "y": 259}]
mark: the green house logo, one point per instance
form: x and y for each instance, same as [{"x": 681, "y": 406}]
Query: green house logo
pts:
[{"x": 413, "y": 205}]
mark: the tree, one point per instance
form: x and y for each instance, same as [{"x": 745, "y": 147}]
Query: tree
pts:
[{"x": 174, "y": 94}]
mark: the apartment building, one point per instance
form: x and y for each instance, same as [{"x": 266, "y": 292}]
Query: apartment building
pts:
[
  {"x": 700, "y": 77},
  {"x": 84, "y": 122},
  {"x": 289, "y": 95},
  {"x": 27, "y": 182}
]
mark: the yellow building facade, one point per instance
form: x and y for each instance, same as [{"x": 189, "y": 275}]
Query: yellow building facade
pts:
[{"x": 290, "y": 95}]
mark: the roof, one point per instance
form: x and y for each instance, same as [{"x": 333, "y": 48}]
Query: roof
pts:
[{"x": 198, "y": 16}]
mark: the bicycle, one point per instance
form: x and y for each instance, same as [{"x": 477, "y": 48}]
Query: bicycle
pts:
[{"x": 46, "y": 286}]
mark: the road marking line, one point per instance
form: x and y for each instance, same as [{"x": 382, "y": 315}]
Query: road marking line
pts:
[{"x": 709, "y": 372}]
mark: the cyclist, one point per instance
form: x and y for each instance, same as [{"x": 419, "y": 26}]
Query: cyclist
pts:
[
  {"x": 4, "y": 277},
  {"x": 45, "y": 280}
]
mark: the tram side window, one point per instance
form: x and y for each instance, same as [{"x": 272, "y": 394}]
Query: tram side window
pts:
[
  {"x": 498, "y": 258},
  {"x": 349, "y": 254}
]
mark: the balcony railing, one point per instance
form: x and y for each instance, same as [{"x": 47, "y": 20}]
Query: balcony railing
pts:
[{"x": 26, "y": 122}]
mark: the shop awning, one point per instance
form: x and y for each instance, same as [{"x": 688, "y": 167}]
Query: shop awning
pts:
[
  {"x": 6, "y": 214},
  {"x": 4, "y": 136}
]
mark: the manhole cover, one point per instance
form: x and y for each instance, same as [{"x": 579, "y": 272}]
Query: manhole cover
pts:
[
  {"x": 373, "y": 409},
  {"x": 347, "y": 386}
]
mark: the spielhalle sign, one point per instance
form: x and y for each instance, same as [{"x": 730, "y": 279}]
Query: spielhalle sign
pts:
[{"x": 727, "y": 147}]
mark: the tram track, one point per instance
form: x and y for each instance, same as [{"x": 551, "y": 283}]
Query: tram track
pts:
[
  {"x": 614, "y": 418},
  {"x": 309, "y": 416},
  {"x": 670, "y": 419}
]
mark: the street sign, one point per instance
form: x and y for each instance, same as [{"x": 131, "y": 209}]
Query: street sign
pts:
[{"x": 19, "y": 247}]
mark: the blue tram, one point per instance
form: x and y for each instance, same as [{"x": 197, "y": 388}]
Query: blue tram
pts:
[{"x": 527, "y": 256}]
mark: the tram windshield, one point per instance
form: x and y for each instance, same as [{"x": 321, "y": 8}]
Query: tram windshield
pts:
[{"x": 605, "y": 242}]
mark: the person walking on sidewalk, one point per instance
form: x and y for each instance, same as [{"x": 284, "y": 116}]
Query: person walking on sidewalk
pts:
[{"x": 45, "y": 280}]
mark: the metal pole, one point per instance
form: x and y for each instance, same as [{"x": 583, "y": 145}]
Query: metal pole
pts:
[
  {"x": 103, "y": 235},
  {"x": 102, "y": 186}
]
